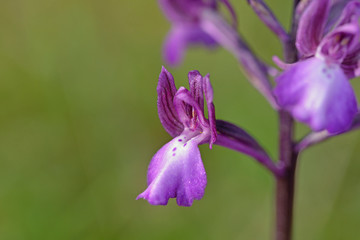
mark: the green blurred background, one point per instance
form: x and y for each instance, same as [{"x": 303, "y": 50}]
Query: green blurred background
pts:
[{"x": 79, "y": 125}]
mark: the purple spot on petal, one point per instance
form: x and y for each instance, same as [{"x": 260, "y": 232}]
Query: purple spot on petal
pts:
[
  {"x": 174, "y": 149},
  {"x": 174, "y": 154},
  {"x": 184, "y": 144},
  {"x": 180, "y": 140}
]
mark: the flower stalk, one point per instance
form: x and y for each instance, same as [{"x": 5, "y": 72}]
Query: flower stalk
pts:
[{"x": 285, "y": 186}]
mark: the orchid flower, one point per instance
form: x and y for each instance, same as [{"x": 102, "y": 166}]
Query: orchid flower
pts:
[
  {"x": 187, "y": 25},
  {"x": 316, "y": 89},
  {"x": 176, "y": 170}
]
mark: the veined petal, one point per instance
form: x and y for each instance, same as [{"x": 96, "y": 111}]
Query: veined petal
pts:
[
  {"x": 319, "y": 94},
  {"x": 196, "y": 87},
  {"x": 166, "y": 91},
  {"x": 238, "y": 134},
  {"x": 180, "y": 37},
  {"x": 209, "y": 96},
  {"x": 183, "y": 98},
  {"x": 176, "y": 170},
  {"x": 311, "y": 26}
]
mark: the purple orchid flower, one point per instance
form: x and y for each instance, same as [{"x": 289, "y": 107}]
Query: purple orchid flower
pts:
[
  {"x": 176, "y": 170},
  {"x": 187, "y": 25},
  {"x": 316, "y": 89}
]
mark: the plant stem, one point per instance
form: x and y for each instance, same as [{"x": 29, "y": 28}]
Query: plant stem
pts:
[{"x": 285, "y": 185}]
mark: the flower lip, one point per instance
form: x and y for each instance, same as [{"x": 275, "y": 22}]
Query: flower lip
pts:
[
  {"x": 176, "y": 170},
  {"x": 319, "y": 94}
]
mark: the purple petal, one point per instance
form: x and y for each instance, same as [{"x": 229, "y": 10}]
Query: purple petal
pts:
[
  {"x": 184, "y": 98},
  {"x": 339, "y": 42},
  {"x": 209, "y": 96},
  {"x": 180, "y": 37},
  {"x": 196, "y": 87},
  {"x": 231, "y": 131},
  {"x": 318, "y": 94},
  {"x": 176, "y": 170},
  {"x": 351, "y": 63},
  {"x": 166, "y": 91},
  {"x": 175, "y": 46},
  {"x": 301, "y": 7},
  {"x": 185, "y": 10},
  {"x": 235, "y": 138},
  {"x": 311, "y": 26}
]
